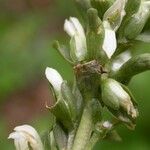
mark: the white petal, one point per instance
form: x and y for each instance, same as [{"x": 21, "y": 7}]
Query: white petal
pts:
[
  {"x": 54, "y": 78},
  {"x": 81, "y": 49},
  {"x": 27, "y": 129},
  {"x": 118, "y": 90},
  {"x": 15, "y": 135},
  {"x": 69, "y": 28},
  {"x": 78, "y": 26},
  {"x": 19, "y": 140},
  {"x": 26, "y": 134},
  {"x": 144, "y": 37},
  {"x": 120, "y": 60},
  {"x": 110, "y": 43}
]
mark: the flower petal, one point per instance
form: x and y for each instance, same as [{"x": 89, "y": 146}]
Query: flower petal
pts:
[
  {"x": 28, "y": 130},
  {"x": 120, "y": 60},
  {"x": 19, "y": 140},
  {"x": 69, "y": 28},
  {"x": 25, "y": 135},
  {"x": 54, "y": 78},
  {"x": 116, "y": 88},
  {"x": 77, "y": 25},
  {"x": 110, "y": 43}
]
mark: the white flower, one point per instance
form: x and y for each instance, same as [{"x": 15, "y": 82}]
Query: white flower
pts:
[
  {"x": 75, "y": 30},
  {"x": 24, "y": 136},
  {"x": 120, "y": 60},
  {"x": 111, "y": 21},
  {"x": 54, "y": 78}
]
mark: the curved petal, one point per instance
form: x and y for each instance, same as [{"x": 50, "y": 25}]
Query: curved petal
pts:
[
  {"x": 77, "y": 25},
  {"x": 110, "y": 43},
  {"x": 120, "y": 60},
  {"x": 26, "y": 134},
  {"x": 19, "y": 140},
  {"x": 54, "y": 78},
  {"x": 69, "y": 28},
  {"x": 118, "y": 90}
]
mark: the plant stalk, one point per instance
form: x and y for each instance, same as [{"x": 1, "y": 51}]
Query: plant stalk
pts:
[
  {"x": 84, "y": 130},
  {"x": 94, "y": 139}
]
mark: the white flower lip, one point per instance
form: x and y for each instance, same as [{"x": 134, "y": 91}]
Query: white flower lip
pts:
[
  {"x": 110, "y": 43},
  {"x": 25, "y": 134},
  {"x": 54, "y": 78},
  {"x": 75, "y": 30}
]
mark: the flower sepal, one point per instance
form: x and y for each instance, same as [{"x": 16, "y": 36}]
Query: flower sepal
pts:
[
  {"x": 138, "y": 20},
  {"x": 63, "y": 51}
]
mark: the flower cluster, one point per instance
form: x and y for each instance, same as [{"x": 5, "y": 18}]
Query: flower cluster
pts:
[{"x": 103, "y": 66}]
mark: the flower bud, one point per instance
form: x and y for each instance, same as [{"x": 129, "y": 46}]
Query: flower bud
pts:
[
  {"x": 137, "y": 21},
  {"x": 95, "y": 36},
  {"x": 115, "y": 14},
  {"x": 63, "y": 108},
  {"x": 78, "y": 45},
  {"x": 118, "y": 100},
  {"x": 24, "y": 136},
  {"x": 54, "y": 78}
]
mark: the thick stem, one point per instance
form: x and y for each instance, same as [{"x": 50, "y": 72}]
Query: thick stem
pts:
[
  {"x": 70, "y": 139},
  {"x": 94, "y": 139},
  {"x": 84, "y": 130}
]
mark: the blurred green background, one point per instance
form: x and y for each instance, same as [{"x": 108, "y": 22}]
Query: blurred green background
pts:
[{"x": 27, "y": 30}]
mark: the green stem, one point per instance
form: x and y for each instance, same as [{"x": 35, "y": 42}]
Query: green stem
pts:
[
  {"x": 84, "y": 130},
  {"x": 70, "y": 139},
  {"x": 95, "y": 137},
  {"x": 132, "y": 67}
]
